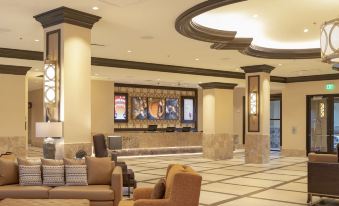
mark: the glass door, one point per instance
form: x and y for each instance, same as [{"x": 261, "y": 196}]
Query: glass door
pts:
[
  {"x": 335, "y": 122},
  {"x": 318, "y": 123},
  {"x": 322, "y": 123},
  {"x": 275, "y": 122}
]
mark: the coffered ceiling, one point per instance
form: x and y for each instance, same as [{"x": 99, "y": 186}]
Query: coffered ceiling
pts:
[{"x": 144, "y": 30}]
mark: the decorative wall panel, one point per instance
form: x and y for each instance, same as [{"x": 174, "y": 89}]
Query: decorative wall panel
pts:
[{"x": 148, "y": 93}]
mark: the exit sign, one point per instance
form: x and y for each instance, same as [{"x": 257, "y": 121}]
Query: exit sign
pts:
[{"x": 330, "y": 87}]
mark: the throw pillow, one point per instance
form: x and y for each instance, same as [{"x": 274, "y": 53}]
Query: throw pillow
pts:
[
  {"x": 26, "y": 162},
  {"x": 30, "y": 175},
  {"x": 52, "y": 162},
  {"x": 159, "y": 189},
  {"x": 99, "y": 170},
  {"x": 74, "y": 161},
  {"x": 53, "y": 175},
  {"x": 76, "y": 175},
  {"x": 8, "y": 172}
]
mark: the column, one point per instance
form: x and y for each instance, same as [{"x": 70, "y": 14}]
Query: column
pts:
[
  {"x": 13, "y": 110},
  {"x": 218, "y": 120},
  {"x": 257, "y": 137},
  {"x": 68, "y": 48},
  {"x": 102, "y": 107}
]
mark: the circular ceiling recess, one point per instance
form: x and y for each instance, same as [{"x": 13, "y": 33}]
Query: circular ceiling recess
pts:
[{"x": 261, "y": 28}]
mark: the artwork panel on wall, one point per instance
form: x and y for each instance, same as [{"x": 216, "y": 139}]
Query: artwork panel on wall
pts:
[
  {"x": 121, "y": 107},
  {"x": 172, "y": 109},
  {"x": 188, "y": 109},
  {"x": 156, "y": 108},
  {"x": 139, "y": 108}
]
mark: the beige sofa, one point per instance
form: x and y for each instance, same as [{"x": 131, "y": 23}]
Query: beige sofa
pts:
[{"x": 98, "y": 195}]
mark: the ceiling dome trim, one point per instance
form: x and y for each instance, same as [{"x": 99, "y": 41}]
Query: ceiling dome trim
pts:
[{"x": 226, "y": 40}]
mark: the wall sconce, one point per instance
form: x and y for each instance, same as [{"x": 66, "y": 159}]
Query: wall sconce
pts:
[
  {"x": 50, "y": 82},
  {"x": 253, "y": 103},
  {"x": 322, "y": 110}
]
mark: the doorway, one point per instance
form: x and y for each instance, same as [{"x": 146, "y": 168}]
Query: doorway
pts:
[
  {"x": 322, "y": 123},
  {"x": 275, "y": 122}
]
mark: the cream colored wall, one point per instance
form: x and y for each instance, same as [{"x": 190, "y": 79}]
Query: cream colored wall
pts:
[
  {"x": 102, "y": 107},
  {"x": 13, "y": 114},
  {"x": 12, "y": 105},
  {"x": 218, "y": 111},
  {"x": 238, "y": 95},
  {"x": 76, "y": 83},
  {"x": 36, "y": 115},
  {"x": 294, "y": 112}
]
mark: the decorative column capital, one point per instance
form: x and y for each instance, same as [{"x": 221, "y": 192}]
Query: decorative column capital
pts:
[
  {"x": 67, "y": 15},
  {"x": 258, "y": 68},
  {"x": 217, "y": 85}
]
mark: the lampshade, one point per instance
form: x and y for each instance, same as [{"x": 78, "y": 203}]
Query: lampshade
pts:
[
  {"x": 329, "y": 41},
  {"x": 49, "y": 129}
]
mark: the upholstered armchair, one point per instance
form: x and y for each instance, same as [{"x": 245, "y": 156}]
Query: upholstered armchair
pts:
[{"x": 183, "y": 186}]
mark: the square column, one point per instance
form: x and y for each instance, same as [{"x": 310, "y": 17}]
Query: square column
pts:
[
  {"x": 257, "y": 137},
  {"x": 68, "y": 49},
  {"x": 218, "y": 120}
]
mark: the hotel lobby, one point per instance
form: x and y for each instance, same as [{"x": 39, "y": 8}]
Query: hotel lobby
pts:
[{"x": 169, "y": 103}]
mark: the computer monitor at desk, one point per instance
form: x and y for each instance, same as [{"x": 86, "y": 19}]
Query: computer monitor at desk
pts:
[
  {"x": 186, "y": 129},
  {"x": 152, "y": 128}
]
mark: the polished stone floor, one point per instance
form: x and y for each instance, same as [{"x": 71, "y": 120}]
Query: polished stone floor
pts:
[{"x": 231, "y": 182}]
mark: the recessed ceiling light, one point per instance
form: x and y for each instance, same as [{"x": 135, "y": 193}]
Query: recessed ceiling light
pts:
[
  {"x": 129, "y": 51},
  {"x": 196, "y": 59},
  {"x": 36, "y": 40},
  {"x": 255, "y": 15},
  {"x": 95, "y": 8},
  {"x": 306, "y": 30}
]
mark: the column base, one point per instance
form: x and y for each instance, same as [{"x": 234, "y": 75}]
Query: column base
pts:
[
  {"x": 257, "y": 149},
  {"x": 70, "y": 149},
  {"x": 218, "y": 146}
]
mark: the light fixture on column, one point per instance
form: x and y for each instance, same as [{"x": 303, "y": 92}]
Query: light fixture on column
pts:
[
  {"x": 329, "y": 41},
  {"x": 322, "y": 110},
  {"x": 253, "y": 96},
  {"x": 50, "y": 82}
]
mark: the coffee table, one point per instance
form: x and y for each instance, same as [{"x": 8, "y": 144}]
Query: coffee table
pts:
[{"x": 44, "y": 202}]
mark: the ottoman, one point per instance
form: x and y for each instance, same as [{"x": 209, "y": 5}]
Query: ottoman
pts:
[{"x": 44, "y": 202}]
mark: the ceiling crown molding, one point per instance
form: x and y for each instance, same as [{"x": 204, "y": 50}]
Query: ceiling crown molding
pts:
[
  {"x": 96, "y": 61},
  {"x": 15, "y": 70},
  {"x": 258, "y": 68},
  {"x": 226, "y": 40},
  {"x": 269, "y": 53},
  {"x": 217, "y": 85},
  {"x": 21, "y": 54},
  {"x": 67, "y": 15}
]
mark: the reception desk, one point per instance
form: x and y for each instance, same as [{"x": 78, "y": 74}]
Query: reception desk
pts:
[{"x": 147, "y": 143}]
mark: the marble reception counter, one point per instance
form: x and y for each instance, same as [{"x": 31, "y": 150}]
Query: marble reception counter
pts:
[{"x": 136, "y": 143}]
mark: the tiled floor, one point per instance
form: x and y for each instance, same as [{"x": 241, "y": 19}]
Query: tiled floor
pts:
[
  {"x": 231, "y": 182},
  {"x": 282, "y": 182}
]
